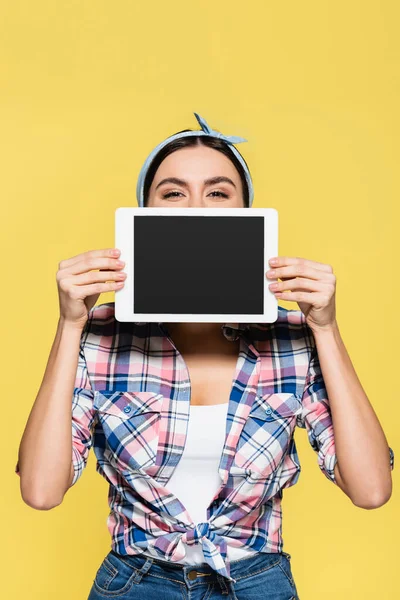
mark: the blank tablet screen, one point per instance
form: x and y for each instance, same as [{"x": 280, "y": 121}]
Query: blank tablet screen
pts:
[{"x": 198, "y": 264}]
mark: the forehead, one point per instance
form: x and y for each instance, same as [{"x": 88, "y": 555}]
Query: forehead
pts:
[{"x": 197, "y": 161}]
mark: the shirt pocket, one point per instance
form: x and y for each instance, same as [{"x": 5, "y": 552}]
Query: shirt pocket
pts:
[
  {"x": 267, "y": 434},
  {"x": 131, "y": 423}
]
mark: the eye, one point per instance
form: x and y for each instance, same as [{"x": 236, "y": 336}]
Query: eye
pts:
[
  {"x": 222, "y": 194},
  {"x": 171, "y": 194},
  {"x": 176, "y": 193}
]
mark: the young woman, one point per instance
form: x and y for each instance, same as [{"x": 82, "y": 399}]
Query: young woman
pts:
[{"x": 192, "y": 423}]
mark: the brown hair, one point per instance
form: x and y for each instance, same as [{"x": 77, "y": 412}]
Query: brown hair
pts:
[{"x": 194, "y": 140}]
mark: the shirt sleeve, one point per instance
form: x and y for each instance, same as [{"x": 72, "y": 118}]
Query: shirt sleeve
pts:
[
  {"x": 82, "y": 413},
  {"x": 316, "y": 417}
]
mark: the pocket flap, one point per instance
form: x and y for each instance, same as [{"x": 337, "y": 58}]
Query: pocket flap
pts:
[
  {"x": 274, "y": 406},
  {"x": 126, "y": 404}
]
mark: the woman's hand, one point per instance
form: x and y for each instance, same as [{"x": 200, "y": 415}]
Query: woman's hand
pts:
[
  {"x": 312, "y": 285},
  {"x": 79, "y": 286}
]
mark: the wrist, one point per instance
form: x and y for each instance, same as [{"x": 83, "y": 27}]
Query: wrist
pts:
[
  {"x": 73, "y": 326},
  {"x": 329, "y": 329}
]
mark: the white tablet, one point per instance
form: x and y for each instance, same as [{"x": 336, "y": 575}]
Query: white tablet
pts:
[{"x": 196, "y": 264}]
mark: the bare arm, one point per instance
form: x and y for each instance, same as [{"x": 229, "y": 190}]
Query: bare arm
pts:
[
  {"x": 55, "y": 443},
  {"x": 45, "y": 452},
  {"x": 363, "y": 469}
]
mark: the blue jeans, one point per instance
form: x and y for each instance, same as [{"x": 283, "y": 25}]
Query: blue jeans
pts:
[{"x": 264, "y": 576}]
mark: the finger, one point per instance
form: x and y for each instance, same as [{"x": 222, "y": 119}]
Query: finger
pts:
[
  {"x": 299, "y": 284},
  {"x": 299, "y": 270},
  {"x": 307, "y": 297},
  {"x": 283, "y": 261},
  {"x": 83, "y": 291},
  {"x": 91, "y": 263},
  {"x": 104, "y": 252},
  {"x": 98, "y": 276}
]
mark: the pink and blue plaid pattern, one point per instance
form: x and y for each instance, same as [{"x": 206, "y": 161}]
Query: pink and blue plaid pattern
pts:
[{"x": 131, "y": 404}]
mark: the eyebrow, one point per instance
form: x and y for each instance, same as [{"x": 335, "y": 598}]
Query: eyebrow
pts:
[{"x": 182, "y": 182}]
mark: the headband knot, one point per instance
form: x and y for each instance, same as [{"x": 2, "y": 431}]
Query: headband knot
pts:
[{"x": 231, "y": 139}]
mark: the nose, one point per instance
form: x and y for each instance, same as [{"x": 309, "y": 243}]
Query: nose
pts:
[{"x": 196, "y": 199}]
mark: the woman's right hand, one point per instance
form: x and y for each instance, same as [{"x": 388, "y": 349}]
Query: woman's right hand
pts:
[{"x": 79, "y": 286}]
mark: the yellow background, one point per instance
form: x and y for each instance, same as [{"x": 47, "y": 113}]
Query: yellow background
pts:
[{"x": 87, "y": 90}]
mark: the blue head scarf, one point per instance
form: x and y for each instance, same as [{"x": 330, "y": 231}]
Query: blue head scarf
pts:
[{"x": 205, "y": 130}]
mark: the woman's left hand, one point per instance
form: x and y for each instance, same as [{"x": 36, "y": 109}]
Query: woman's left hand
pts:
[{"x": 312, "y": 285}]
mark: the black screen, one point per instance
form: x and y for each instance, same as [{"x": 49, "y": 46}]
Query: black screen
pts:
[{"x": 199, "y": 264}]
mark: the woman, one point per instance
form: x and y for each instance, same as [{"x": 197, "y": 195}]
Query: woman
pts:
[{"x": 192, "y": 423}]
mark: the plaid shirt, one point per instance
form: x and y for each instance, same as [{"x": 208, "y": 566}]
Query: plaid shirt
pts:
[{"x": 131, "y": 403}]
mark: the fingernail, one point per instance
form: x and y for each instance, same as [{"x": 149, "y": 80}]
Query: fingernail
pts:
[{"x": 273, "y": 261}]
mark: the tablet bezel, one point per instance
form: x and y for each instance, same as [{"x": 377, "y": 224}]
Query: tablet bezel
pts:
[{"x": 124, "y": 242}]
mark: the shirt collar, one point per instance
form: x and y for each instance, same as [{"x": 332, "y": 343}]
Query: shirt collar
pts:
[
  {"x": 240, "y": 326},
  {"x": 230, "y": 330}
]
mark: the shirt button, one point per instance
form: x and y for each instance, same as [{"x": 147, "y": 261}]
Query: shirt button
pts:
[
  {"x": 192, "y": 575},
  {"x": 127, "y": 409}
]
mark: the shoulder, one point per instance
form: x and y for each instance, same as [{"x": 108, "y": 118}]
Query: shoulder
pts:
[
  {"x": 101, "y": 320},
  {"x": 289, "y": 332},
  {"x": 105, "y": 313},
  {"x": 102, "y": 312},
  {"x": 103, "y": 330}
]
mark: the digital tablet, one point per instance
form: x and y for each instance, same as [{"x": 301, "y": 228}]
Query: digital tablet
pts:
[{"x": 196, "y": 264}]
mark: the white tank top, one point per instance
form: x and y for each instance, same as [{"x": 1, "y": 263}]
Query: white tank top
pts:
[{"x": 196, "y": 480}]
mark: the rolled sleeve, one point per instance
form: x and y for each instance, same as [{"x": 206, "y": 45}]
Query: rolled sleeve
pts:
[
  {"x": 83, "y": 415},
  {"x": 316, "y": 417},
  {"x": 391, "y": 459}
]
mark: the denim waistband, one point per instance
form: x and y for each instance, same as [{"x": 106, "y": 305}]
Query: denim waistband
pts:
[{"x": 202, "y": 574}]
